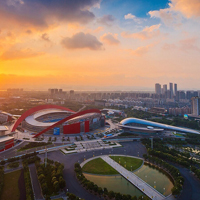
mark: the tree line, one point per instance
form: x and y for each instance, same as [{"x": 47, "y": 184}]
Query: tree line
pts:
[{"x": 50, "y": 177}]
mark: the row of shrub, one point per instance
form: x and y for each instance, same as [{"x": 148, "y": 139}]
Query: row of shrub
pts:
[
  {"x": 50, "y": 177},
  {"x": 174, "y": 172},
  {"x": 103, "y": 191},
  {"x": 34, "y": 145},
  {"x": 71, "y": 196},
  {"x": 13, "y": 165},
  {"x": 176, "y": 159},
  {"x": 196, "y": 171},
  {"x": 30, "y": 160},
  {"x": 28, "y": 185},
  {"x": 1, "y": 179},
  {"x": 13, "y": 159},
  {"x": 162, "y": 151}
]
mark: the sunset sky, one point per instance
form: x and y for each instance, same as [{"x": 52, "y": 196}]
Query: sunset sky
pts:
[{"x": 99, "y": 44}]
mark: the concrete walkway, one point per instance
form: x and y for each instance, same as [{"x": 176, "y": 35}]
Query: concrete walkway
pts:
[{"x": 135, "y": 180}]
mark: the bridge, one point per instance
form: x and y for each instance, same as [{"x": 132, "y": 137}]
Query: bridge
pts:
[{"x": 135, "y": 180}]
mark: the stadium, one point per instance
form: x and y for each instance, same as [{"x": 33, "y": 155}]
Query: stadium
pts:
[
  {"x": 53, "y": 119},
  {"x": 141, "y": 126}
]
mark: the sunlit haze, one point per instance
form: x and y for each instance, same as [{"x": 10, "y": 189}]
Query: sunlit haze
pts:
[{"x": 99, "y": 45}]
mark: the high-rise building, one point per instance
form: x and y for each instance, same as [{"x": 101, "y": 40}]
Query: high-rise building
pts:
[
  {"x": 157, "y": 88},
  {"x": 181, "y": 95},
  {"x": 164, "y": 88},
  {"x": 195, "y": 106},
  {"x": 171, "y": 90},
  {"x": 175, "y": 88},
  {"x": 71, "y": 92},
  {"x": 189, "y": 95}
]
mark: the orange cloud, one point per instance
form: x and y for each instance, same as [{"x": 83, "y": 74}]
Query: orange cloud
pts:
[
  {"x": 177, "y": 9},
  {"x": 80, "y": 41},
  {"x": 146, "y": 33},
  {"x": 14, "y": 54},
  {"x": 189, "y": 44},
  {"x": 110, "y": 39},
  {"x": 140, "y": 51},
  {"x": 189, "y": 8}
]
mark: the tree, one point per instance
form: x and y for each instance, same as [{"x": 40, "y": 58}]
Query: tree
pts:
[
  {"x": 41, "y": 178},
  {"x": 111, "y": 194},
  {"x": 72, "y": 196},
  {"x": 44, "y": 188},
  {"x": 62, "y": 182},
  {"x": 53, "y": 179},
  {"x": 56, "y": 186}
]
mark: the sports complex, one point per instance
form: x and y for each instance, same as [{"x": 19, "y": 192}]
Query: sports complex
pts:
[
  {"x": 141, "y": 126},
  {"x": 54, "y": 119},
  {"x": 50, "y": 120}
]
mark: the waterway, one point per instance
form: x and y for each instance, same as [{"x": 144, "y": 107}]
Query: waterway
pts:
[{"x": 117, "y": 183}]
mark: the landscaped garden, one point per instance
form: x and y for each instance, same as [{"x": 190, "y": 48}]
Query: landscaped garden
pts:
[
  {"x": 129, "y": 163},
  {"x": 98, "y": 166}
]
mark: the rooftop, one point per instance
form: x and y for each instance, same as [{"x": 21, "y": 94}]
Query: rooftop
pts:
[
  {"x": 5, "y": 138},
  {"x": 157, "y": 125},
  {"x": 3, "y": 128}
]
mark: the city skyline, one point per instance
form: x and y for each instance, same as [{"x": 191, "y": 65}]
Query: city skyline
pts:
[{"x": 99, "y": 45}]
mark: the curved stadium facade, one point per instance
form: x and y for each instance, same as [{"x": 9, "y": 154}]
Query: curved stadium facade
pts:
[
  {"x": 144, "y": 126},
  {"x": 47, "y": 118}
]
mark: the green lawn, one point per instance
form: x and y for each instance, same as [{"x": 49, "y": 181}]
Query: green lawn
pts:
[
  {"x": 134, "y": 162},
  {"x": 10, "y": 188},
  {"x": 99, "y": 166}
]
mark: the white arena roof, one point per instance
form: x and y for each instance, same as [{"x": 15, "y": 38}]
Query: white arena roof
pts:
[{"x": 32, "y": 118}]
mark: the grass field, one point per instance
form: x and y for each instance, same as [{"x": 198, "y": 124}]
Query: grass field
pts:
[
  {"x": 98, "y": 166},
  {"x": 10, "y": 188},
  {"x": 127, "y": 162}
]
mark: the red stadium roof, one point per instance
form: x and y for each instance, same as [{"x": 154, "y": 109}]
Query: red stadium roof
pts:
[
  {"x": 35, "y": 109},
  {"x": 68, "y": 118}
]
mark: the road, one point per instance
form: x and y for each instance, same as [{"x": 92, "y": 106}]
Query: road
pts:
[
  {"x": 191, "y": 187},
  {"x": 35, "y": 182},
  {"x": 73, "y": 186},
  {"x": 14, "y": 150}
]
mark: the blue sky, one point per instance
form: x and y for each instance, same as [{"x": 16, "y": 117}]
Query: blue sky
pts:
[{"x": 139, "y": 8}]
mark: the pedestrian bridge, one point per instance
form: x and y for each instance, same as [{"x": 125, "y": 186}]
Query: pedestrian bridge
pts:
[{"x": 135, "y": 180}]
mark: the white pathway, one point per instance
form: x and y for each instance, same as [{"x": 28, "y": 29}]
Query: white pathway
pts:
[{"x": 135, "y": 180}]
